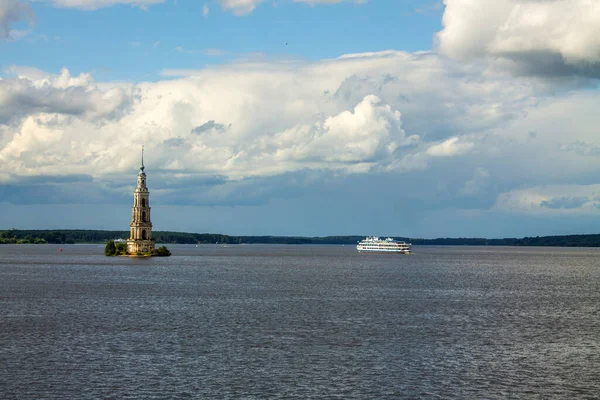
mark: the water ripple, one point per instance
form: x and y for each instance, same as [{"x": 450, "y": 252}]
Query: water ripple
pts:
[{"x": 291, "y": 322}]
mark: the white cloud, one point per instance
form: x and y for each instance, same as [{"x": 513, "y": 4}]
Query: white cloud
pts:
[
  {"x": 557, "y": 37},
  {"x": 351, "y": 140},
  {"x": 276, "y": 117},
  {"x": 205, "y": 10},
  {"x": 565, "y": 146},
  {"x": 31, "y": 73},
  {"x": 548, "y": 200},
  {"x": 239, "y": 7},
  {"x": 62, "y": 94},
  {"x": 12, "y": 11},
  {"x": 389, "y": 112},
  {"x": 449, "y": 148}
]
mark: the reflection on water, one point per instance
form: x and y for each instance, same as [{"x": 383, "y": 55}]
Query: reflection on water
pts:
[{"x": 262, "y": 321}]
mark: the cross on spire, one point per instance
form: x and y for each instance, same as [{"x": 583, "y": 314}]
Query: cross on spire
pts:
[{"x": 142, "y": 167}]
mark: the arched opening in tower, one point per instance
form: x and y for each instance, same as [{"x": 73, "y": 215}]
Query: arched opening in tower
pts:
[{"x": 143, "y": 234}]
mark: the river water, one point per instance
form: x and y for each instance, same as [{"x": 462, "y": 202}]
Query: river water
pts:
[{"x": 299, "y": 322}]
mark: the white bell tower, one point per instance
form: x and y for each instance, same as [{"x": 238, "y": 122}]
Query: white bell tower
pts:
[{"x": 140, "y": 232}]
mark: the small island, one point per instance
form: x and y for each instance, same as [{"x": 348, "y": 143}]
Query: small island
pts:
[
  {"x": 120, "y": 249},
  {"x": 140, "y": 242}
]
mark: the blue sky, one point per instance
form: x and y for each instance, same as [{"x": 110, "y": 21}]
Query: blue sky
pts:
[
  {"x": 132, "y": 43},
  {"x": 305, "y": 117}
]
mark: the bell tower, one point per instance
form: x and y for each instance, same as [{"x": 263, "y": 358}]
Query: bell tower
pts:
[{"x": 140, "y": 229}]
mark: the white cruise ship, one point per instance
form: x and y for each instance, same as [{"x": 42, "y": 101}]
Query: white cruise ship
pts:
[{"x": 388, "y": 246}]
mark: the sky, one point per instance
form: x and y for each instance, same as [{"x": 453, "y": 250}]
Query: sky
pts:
[{"x": 413, "y": 118}]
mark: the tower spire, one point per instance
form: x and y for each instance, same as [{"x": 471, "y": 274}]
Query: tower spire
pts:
[{"x": 142, "y": 167}]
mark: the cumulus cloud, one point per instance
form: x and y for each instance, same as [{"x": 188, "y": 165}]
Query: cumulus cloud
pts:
[
  {"x": 351, "y": 140},
  {"x": 426, "y": 78},
  {"x": 62, "y": 94},
  {"x": 353, "y": 114},
  {"x": 537, "y": 37},
  {"x": 258, "y": 121},
  {"x": 12, "y": 11}
]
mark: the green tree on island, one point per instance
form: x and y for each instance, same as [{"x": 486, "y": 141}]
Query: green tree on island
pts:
[
  {"x": 162, "y": 251},
  {"x": 110, "y": 249},
  {"x": 121, "y": 249}
]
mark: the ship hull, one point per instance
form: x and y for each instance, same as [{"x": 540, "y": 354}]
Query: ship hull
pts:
[{"x": 383, "y": 252}]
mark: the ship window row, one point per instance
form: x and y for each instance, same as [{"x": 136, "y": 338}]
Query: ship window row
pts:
[{"x": 384, "y": 245}]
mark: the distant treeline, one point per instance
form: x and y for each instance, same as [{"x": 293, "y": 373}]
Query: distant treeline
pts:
[{"x": 92, "y": 236}]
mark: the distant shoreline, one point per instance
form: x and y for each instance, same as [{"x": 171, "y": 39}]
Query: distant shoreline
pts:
[{"x": 73, "y": 236}]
